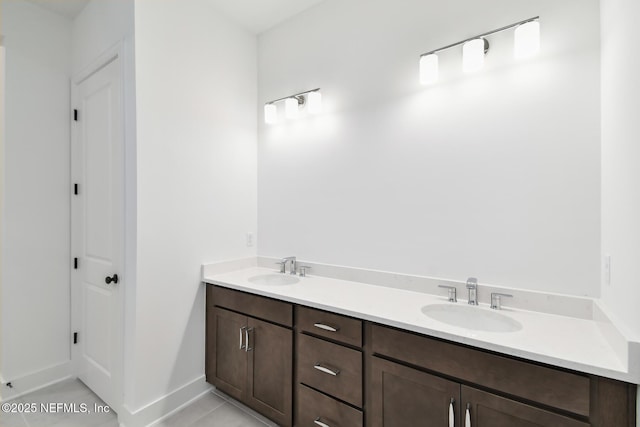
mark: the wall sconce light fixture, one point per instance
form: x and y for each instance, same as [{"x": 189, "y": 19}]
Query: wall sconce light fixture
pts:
[
  {"x": 473, "y": 53},
  {"x": 292, "y": 105},
  {"x": 526, "y": 39},
  {"x": 429, "y": 68},
  {"x": 270, "y": 113},
  {"x": 474, "y": 49}
]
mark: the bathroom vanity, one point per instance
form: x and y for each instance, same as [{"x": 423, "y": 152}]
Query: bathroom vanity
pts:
[{"x": 302, "y": 363}]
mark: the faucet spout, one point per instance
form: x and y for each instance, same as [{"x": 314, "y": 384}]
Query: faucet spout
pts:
[
  {"x": 292, "y": 261},
  {"x": 472, "y": 286}
]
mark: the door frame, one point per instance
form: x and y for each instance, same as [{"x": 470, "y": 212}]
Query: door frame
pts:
[{"x": 116, "y": 52}]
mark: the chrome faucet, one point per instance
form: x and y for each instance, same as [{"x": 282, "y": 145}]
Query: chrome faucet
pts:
[
  {"x": 496, "y": 300},
  {"x": 472, "y": 286},
  {"x": 283, "y": 264},
  {"x": 451, "y": 291}
]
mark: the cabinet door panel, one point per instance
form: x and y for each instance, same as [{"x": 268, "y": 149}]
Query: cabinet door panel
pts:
[
  {"x": 405, "y": 397},
  {"x": 270, "y": 370},
  {"x": 489, "y": 410},
  {"x": 228, "y": 362}
]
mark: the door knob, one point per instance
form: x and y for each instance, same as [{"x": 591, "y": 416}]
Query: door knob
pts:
[{"x": 113, "y": 279}]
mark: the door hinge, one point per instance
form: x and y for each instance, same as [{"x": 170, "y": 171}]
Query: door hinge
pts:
[
  {"x": 75, "y": 115},
  {"x": 75, "y": 263},
  {"x": 75, "y": 189},
  {"x": 75, "y": 338}
]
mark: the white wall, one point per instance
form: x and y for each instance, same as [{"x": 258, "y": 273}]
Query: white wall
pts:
[
  {"x": 196, "y": 134},
  {"x": 494, "y": 175},
  {"x": 35, "y": 221},
  {"x": 100, "y": 25},
  {"x": 620, "y": 154}
]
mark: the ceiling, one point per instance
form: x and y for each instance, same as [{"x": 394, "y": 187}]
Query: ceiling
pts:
[
  {"x": 260, "y": 15},
  {"x": 255, "y": 15},
  {"x": 68, "y": 8}
]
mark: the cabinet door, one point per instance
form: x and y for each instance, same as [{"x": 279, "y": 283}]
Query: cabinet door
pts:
[
  {"x": 489, "y": 410},
  {"x": 228, "y": 361},
  {"x": 405, "y": 397},
  {"x": 270, "y": 370}
]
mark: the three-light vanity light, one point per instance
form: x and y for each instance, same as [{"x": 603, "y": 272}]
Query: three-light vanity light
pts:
[
  {"x": 474, "y": 49},
  {"x": 312, "y": 99}
]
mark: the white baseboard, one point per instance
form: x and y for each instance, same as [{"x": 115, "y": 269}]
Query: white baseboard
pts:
[
  {"x": 165, "y": 406},
  {"x": 34, "y": 381}
]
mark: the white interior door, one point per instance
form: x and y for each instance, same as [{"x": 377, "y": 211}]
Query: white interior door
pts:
[{"x": 98, "y": 230}]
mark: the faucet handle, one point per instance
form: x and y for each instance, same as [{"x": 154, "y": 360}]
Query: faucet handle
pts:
[
  {"x": 304, "y": 269},
  {"x": 452, "y": 292},
  {"x": 282, "y": 264},
  {"x": 496, "y": 300}
]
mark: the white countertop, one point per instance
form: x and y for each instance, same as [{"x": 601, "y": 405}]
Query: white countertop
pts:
[{"x": 562, "y": 341}]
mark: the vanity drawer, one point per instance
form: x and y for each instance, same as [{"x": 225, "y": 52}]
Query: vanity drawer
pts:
[
  {"x": 548, "y": 386},
  {"x": 314, "y": 406},
  {"x": 333, "y": 326},
  {"x": 331, "y": 368},
  {"x": 252, "y": 305}
]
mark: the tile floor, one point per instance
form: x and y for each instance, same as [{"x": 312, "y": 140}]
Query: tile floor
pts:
[{"x": 213, "y": 409}]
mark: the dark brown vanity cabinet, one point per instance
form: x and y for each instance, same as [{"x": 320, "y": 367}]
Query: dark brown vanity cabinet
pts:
[
  {"x": 351, "y": 373},
  {"x": 248, "y": 358}
]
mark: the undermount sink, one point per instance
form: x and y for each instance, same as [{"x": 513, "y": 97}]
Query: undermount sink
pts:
[
  {"x": 471, "y": 317},
  {"x": 274, "y": 279}
]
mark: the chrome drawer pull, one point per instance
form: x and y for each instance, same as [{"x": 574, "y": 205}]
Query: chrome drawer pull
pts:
[
  {"x": 320, "y": 423},
  {"x": 467, "y": 418},
  {"x": 242, "y": 343},
  {"x": 326, "y": 327},
  {"x": 326, "y": 370},
  {"x": 452, "y": 417},
  {"x": 246, "y": 338}
]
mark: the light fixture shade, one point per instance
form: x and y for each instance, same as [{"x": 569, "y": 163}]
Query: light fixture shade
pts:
[
  {"x": 291, "y": 108},
  {"x": 526, "y": 40},
  {"x": 473, "y": 55},
  {"x": 270, "y": 113},
  {"x": 429, "y": 69},
  {"x": 314, "y": 102}
]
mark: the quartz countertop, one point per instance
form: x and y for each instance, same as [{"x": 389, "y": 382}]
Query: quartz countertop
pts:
[{"x": 562, "y": 341}]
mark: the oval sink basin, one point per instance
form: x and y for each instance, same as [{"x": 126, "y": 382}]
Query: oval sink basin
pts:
[
  {"x": 274, "y": 279},
  {"x": 470, "y": 317}
]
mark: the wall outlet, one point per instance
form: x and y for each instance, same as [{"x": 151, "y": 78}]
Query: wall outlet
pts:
[
  {"x": 606, "y": 270},
  {"x": 250, "y": 239}
]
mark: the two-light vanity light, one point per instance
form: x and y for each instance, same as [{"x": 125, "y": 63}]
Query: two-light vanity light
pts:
[
  {"x": 526, "y": 44},
  {"x": 312, "y": 99}
]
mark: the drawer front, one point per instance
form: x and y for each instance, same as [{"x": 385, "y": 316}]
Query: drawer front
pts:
[
  {"x": 253, "y": 305},
  {"x": 314, "y": 407},
  {"x": 333, "y": 326},
  {"x": 331, "y": 368},
  {"x": 559, "y": 389}
]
